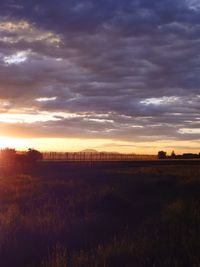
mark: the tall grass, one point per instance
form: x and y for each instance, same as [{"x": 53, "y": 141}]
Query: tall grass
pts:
[{"x": 134, "y": 217}]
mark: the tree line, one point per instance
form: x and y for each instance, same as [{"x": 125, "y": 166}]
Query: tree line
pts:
[
  {"x": 10, "y": 155},
  {"x": 163, "y": 155}
]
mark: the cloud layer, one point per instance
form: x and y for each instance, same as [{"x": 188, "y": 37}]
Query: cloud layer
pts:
[{"x": 122, "y": 70}]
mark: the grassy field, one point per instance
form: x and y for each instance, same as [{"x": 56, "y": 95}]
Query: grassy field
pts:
[{"x": 56, "y": 215}]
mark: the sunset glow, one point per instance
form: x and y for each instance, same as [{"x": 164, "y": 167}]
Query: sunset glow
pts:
[
  {"x": 99, "y": 133},
  {"x": 125, "y": 80},
  {"x": 76, "y": 145}
]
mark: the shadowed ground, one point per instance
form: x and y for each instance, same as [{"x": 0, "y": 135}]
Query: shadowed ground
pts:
[{"x": 55, "y": 214}]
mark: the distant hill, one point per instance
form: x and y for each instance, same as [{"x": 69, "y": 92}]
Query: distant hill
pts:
[{"x": 89, "y": 151}]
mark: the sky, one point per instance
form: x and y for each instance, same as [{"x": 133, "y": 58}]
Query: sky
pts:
[{"x": 111, "y": 75}]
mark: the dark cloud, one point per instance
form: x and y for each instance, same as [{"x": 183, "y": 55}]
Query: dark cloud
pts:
[{"x": 126, "y": 70}]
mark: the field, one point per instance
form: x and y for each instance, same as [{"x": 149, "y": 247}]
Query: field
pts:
[{"x": 55, "y": 214}]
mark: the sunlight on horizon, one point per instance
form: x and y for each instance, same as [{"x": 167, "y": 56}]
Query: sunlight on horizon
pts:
[{"x": 76, "y": 145}]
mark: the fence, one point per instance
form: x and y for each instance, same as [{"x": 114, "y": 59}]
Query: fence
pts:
[{"x": 101, "y": 156}]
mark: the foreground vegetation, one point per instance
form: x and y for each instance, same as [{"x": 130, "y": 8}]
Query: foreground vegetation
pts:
[{"x": 53, "y": 215}]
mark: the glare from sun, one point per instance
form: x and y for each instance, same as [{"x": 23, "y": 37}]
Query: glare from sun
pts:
[{"x": 9, "y": 142}]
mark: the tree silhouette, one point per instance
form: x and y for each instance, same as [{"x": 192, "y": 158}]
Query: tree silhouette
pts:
[
  {"x": 162, "y": 155},
  {"x": 33, "y": 155},
  {"x": 8, "y": 154},
  {"x": 173, "y": 155}
]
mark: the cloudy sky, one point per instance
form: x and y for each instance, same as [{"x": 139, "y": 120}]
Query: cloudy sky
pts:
[{"x": 112, "y": 75}]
